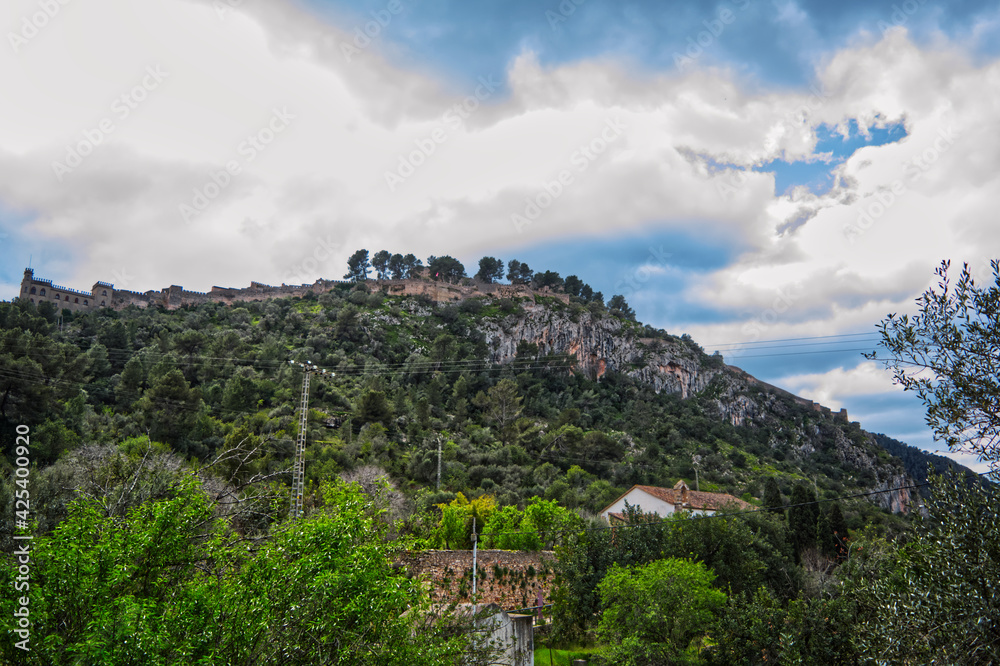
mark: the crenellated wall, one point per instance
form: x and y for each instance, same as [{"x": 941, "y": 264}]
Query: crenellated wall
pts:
[{"x": 105, "y": 295}]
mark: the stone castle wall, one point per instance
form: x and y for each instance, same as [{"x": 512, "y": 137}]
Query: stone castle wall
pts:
[{"x": 103, "y": 294}]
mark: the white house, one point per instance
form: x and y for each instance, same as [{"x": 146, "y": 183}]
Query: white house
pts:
[{"x": 665, "y": 501}]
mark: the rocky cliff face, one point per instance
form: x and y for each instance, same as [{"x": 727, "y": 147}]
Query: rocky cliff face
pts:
[
  {"x": 600, "y": 345},
  {"x": 673, "y": 365}
]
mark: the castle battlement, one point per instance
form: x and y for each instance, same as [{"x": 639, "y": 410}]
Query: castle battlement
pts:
[{"x": 104, "y": 294}]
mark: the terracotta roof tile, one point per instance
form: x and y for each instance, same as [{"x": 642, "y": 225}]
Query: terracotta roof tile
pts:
[{"x": 696, "y": 500}]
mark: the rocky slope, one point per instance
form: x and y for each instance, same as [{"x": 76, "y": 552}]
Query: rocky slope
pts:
[
  {"x": 600, "y": 344},
  {"x": 668, "y": 364}
]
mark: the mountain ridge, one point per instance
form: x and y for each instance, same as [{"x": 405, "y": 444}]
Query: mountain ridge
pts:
[{"x": 433, "y": 352}]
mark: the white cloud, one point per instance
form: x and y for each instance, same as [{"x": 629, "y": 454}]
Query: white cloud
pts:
[
  {"x": 832, "y": 388},
  {"x": 896, "y": 209},
  {"x": 322, "y": 181},
  {"x": 318, "y": 190}
]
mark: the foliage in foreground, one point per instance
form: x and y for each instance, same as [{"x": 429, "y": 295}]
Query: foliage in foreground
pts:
[
  {"x": 168, "y": 584},
  {"x": 942, "y": 603},
  {"x": 947, "y": 355},
  {"x": 744, "y": 553},
  {"x": 654, "y": 613}
]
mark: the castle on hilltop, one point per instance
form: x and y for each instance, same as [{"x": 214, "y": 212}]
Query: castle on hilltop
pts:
[{"x": 104, "y": 294}]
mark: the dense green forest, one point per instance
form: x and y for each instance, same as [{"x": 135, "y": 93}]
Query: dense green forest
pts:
[{"x": 162, "y": 442}]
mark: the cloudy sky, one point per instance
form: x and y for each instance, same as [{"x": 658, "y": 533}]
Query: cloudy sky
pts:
[{"x": 754, "y": 173}]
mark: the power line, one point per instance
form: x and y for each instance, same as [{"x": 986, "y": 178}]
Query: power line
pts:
[
  {"x": 821, "y": 351},
  {"x": 800, "y": 344},
  {"x": 808, "y": 337}
]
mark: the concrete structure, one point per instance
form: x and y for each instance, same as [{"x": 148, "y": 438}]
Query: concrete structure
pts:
[
  {"x": 513, "y": 635},
  {"x": 508, "y": 639},
  {"x": 665, "y": 501}
]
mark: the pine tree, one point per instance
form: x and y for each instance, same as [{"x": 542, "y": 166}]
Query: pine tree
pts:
[
  {"x": 838, "y": 536},
  {"x": 803, "y": 514},
  {"x": 772, "y": 497}
]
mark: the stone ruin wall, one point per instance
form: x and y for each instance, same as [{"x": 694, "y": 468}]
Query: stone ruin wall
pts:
[
  {"x": 511, "y": 579},
  {"x": 175, "y": 296}
]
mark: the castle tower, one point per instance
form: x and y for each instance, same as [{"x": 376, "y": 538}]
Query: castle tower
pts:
[{"x": 26, "y": 283}]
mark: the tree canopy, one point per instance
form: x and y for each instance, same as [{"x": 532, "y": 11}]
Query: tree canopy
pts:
[
  {"x": 518, "y": 272},
  {"x": 947, "y": 355},
  {"x": 490, "y": 269},
  {"x": 652, "y": 613},
  {"x": 445, "y": 269},
  {"x": 358, "y": 266},
  {"x": 380, "y": 262}
]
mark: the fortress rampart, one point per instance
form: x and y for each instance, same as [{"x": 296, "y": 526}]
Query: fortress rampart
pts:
[{"x": 104, "y": 294}]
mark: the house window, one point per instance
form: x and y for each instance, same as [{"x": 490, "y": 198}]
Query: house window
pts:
[
  {"x": 55, "y": 296},
  {"x": 32, "y": 300},
  {"x": 42, "y": 293},
  {"x": 85, "y": 302},
  {"x": 104, "y": 293},
  {"x": 102, "y": 304},
  {"x": 32, "y": 291},
  {"x": 76, "y": 300},
  {"x": 67, "y": 299}
]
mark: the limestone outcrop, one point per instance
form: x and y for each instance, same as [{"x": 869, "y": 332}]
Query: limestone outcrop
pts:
[{"x": 600, "y": 344}]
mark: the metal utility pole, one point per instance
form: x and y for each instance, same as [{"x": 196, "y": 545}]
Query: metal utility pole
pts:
[
  {"x": 299, "y": 464},
  {"x": 475, "y": 543},
  {"x": 439, "y": 464}
]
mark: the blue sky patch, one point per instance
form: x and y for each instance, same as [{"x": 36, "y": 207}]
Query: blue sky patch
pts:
[
  {"x": 776, "y": 42},
  {"x": 659, "y": 261},
  {"x": 16, "y": 248},
  {"x": 832, "y": 149}
]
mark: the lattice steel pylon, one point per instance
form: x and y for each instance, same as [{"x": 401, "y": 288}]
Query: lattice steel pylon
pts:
[{"x": 299, "y": 464}]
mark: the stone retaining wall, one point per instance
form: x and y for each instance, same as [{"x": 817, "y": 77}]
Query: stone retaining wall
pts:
[{"x": 508, "y": 578}]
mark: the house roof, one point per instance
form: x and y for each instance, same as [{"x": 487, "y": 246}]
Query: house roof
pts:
[{"x": 696, "y": 500}]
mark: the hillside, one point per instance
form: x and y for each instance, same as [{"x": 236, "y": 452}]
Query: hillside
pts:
[{"x": 599, "y": 402}]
